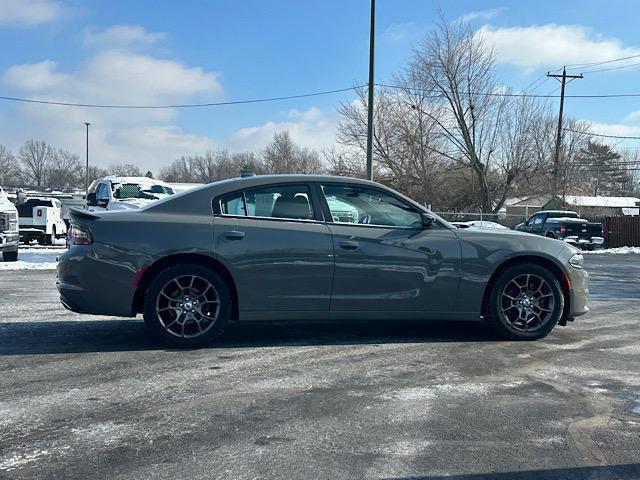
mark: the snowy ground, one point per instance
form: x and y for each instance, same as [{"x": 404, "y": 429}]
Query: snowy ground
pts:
[
  {"x": 615, "y": 251},
  {"x": 34, "y": 258}
]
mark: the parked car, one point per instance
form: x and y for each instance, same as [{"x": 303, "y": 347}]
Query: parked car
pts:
[
  {"x": 567, "y": 226},
  {"x": 9, "y": 233},
  {"x": 268, "y": 248},
  {"x": 125, "y": 193},
  {"x": 40, "y": 219}
]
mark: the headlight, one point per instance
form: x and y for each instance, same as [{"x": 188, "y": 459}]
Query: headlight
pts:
[{"x": 577, "y": 261}]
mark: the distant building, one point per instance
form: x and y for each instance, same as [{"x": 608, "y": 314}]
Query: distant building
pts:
[
  {"x": 595, "y": 206},
  {"x": 526, "y": 206}
]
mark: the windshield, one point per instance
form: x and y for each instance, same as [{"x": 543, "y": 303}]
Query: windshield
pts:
[{"x": 134, "y": 190}]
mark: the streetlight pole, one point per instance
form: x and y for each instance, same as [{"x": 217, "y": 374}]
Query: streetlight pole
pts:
[
  {"x": 86, "y": 176},
  {"x": 371, "y": 88}
]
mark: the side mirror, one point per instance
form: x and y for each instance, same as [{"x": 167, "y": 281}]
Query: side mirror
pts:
[
  {"x": 427, "y": 220},
  {"x": 91, "y": 200},
  {"x": 102, "y": 202}
]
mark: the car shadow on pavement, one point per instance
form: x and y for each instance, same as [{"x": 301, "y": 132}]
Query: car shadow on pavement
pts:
[
  {"x": 605, "y": 472},
  {"x": 38, "y": 338}
]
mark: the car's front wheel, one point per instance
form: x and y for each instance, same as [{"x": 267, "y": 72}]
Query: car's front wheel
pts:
[
  {"x": 187, "y": 306},
  {"x": 526, "y": 302}
]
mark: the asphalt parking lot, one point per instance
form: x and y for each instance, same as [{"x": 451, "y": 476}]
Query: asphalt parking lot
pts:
[{"x": 86, "y": 397}]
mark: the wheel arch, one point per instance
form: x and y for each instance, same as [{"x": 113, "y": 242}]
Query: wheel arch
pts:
[
  {"x": 158, "y": 266},
  {"x": 550, "y": 265}
]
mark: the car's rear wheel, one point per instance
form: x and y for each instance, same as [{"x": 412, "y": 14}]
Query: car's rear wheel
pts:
[
  {"x": 526, "y": 302},
  {"x": 187, "y": 306}
]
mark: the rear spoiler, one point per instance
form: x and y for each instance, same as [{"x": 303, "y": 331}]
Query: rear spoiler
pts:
[{"x": 82, "y": 214}]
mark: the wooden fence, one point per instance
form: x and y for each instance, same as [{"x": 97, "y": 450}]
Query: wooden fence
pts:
[{"x": 621, "y": 231}]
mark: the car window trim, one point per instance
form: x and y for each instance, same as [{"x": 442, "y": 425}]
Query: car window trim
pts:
[
  {"x": 355, "y": 185},
  {"x": 318, "y": 214}
]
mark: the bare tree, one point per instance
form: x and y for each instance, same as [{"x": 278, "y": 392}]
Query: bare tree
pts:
[
  {"x": 65, "y": 171},
  {"x": 125, "y": 170},
  {"x": 96, "y": 172},
  {"x": 10, "y": 173},
  {"x": 181, "y": 170},
  {"x": 283, "y": 155},
  {"x": 36, "y": 157}
]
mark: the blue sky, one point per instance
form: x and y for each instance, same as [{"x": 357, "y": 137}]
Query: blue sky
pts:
[{"x": 153, "y": 52}]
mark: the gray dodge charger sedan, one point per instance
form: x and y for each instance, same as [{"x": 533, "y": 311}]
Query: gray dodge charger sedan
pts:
[{"x": 311, "y": 247}]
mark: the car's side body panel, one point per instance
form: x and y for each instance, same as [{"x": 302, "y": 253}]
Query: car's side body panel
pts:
[
  {"x": 276, "y": 265},
  {"x": 395, "y": 269}
]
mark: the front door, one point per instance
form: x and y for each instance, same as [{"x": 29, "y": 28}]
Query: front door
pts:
[
  {"x": 385, "y": 259},
  {"x": 277, "y": 247}
]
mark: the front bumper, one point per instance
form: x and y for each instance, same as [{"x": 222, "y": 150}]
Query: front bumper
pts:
[
  {"x": 579, "y": 291},
  {"x": 9, "y": 241}
]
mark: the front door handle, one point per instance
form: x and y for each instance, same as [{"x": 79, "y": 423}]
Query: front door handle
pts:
[
  {"x": 234, "y": 235},
  {"x": 349, "y": 245}
]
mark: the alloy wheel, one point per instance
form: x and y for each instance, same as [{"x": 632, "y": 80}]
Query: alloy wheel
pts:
[
  {"x": 188, "y": 306},
  {"x": 527, "y": 302}
]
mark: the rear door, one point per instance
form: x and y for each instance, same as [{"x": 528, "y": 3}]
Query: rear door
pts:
[
  {"x": 277, "y": 246},
  {"x": 385, "y": 259}
]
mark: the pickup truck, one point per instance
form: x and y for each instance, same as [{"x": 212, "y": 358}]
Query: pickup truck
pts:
[
  {"x": 9, "y": 235},
  {"x": 40, "y": 218},
  {"x": 125, "y": 193},
  {"x": 567, "y": 226}
]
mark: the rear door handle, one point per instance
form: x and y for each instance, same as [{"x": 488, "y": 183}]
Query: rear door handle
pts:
[
  {"x": 349, "y": 245},
  {"x": 234, "y": 235}
]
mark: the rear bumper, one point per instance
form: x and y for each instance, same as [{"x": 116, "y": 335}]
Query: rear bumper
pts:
[
  {"x": 98, "y": 279},
  {"x": 589, "y": 243}
]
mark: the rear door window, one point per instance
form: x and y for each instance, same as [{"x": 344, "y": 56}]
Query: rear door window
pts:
[{"x": 289, "y": 202}]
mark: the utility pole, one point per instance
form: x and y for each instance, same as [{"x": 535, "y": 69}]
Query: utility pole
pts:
[
  {"x": 371, "y": 89},
  {"x": 86, "y": 172},
  {"x": 556, "y": 160}
]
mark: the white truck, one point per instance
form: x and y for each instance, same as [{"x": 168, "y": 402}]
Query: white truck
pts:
[
  {"x": 40, "y": 219},
  {"x": 9, "y": 234},
  {"x": 124, "y": 193}
]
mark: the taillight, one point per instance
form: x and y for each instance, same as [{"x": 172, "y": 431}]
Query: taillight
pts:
[
  {"x": 563, "y": 229},
  {"x": 79, "y": 236},
  {"x": 39, "y": 212}
]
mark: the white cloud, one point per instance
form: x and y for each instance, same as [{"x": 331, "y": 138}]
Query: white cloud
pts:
[
  {"x": 148, "y": 138},
  {"x": 121, "y": 36},
  {"x": 29, "y": 12},
  {"x": 615, "y": 129},
  {"x": 403, "y": 32},
  {"x": 481, "y": 15},
  {"x": 552, "y": 45},
  {"x": 312, "y": 128},
  {"x": 635, "y": 115},
  {"x": 34, "y": 76}
]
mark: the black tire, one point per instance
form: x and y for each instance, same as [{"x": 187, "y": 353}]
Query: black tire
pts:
[
  {"x": 49, "y": 239},
  {"x": 499, "y": 320},
  {"x": 550, "y": 235},
  {"x": 10, "y": 256},
  {"x": 152, "y": 297}
]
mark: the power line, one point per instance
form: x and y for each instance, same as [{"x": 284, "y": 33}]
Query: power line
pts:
[
  {"x": 613, "y": 68},
  {"x": 575, "y": 65},
  {"x": 185, "y": 105},
  {"x": 602, "y": 135},
  {"x": 436, "y": 93},
  {"x": 505, "y": 94}
]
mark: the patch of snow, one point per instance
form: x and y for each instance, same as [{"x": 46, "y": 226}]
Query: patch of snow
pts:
[
  {"x": 18, "y": 460},
  {"x": 43, "y": 258},
  {"x": 614, "y": 251}
]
